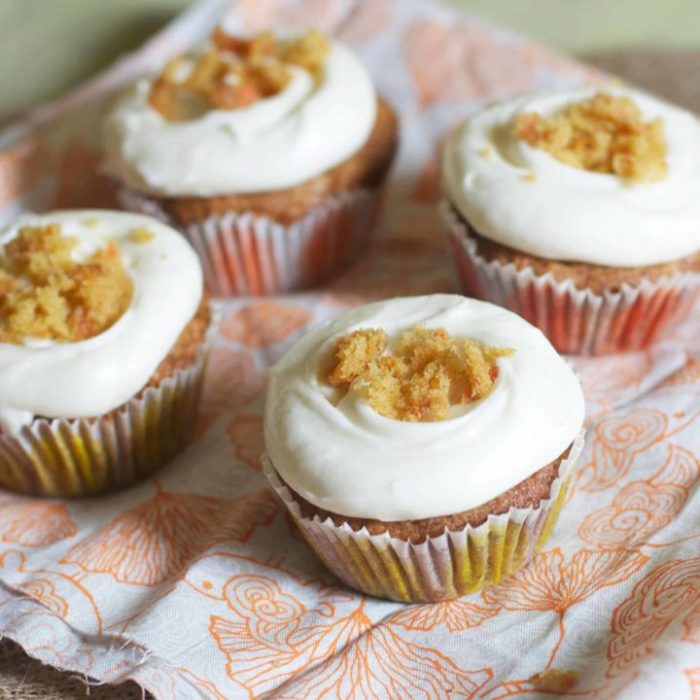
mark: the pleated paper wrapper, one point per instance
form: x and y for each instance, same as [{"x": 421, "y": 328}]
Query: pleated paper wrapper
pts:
[
  {"x": 92, "y": 456},
  {"x": 441, "y": 568},
  {"x": 576, "y": 321},
  {"x": 245, "y": 254}
]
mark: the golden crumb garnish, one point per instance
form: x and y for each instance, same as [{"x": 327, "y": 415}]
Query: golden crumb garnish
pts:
[
  {"x": 486, "y": 152},
  {"x": 91, "y": 223},
  {"x": 529, "y": 177},
  {"x": 141, "y": 235},
  {"x": 421, "y": 377},
  {"x": 555, "y": 680},
  {"x": 45, "y": 294},
  {"x": 235, "y": 72},
  {"x": 602, "y": 134}
]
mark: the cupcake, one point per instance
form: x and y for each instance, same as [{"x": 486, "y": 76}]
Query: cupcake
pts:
[
  {"x": 579, "y": 210},
  {"x": 102, "y": 350},
  {"x": 268, "y": 153},
  {"x": 423, "y": 445}
]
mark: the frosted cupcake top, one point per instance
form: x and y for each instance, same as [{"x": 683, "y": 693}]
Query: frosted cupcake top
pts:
[
  {"x": 607, "y": 178},
  {"x": 418, "y": 407},
  {"x": 241, "y": 115},
  {"x": 91, "y": 302}
]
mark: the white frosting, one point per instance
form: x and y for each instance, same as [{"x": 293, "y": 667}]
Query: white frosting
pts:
[
  {"x": 568, "y": 213},
  {"x": 94, "y": 376},
  {"x": 349, "y": 459},
  {"x": 277, "y": 142}
]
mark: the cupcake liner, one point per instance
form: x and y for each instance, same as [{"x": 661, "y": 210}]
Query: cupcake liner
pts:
[
  {"x": 576, "y": 321},
  {"x": 89, "y": 456},
  {"x": 244, "y": 254},
  {"x": 450, "y": 565}
]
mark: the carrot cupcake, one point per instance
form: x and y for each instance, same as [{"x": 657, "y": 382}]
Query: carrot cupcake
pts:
[
  {"x": 102, "y": 350},
  {"x": 579, "y": 210},
  {"x": 423, "y": 445},
  {"x": 268, "y": 153}
]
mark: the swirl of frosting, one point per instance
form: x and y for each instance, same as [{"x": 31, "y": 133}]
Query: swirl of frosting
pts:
[
  {"x": 349, "y": 459},
  {"x": 93, "y": 376},
  {"x": 524, "y": 198},
  {"x": 277, "y": 142}
]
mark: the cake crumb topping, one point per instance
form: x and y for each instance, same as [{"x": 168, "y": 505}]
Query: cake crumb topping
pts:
[
  {"x": 602, "y": 134},
  {"x": 141, "y": 235},
  {"x": 421, "y": 377},
  {"x": 235, "y": 72},
  {"x": 46, "y": 294}
]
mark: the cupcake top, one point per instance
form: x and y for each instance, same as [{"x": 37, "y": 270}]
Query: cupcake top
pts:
[
  {"x": 418, "y": 407},
  {"x": 606, "y": 177},
  {"x": 91, "y": 302},
  {"x": 241, "y": 115}
]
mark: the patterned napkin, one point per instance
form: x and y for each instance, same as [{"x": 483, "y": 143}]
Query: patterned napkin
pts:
[{"x": 195, "y": 584}]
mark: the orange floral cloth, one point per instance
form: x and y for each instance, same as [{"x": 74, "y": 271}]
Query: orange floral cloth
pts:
[{"x": 195, "y": 584}]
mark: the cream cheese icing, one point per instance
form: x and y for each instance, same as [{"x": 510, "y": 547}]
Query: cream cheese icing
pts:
[
  {"x": 524, "y": 198},
  {"x": 94, "y": 376},
  {"x": 348, "y": 459},
  {"x": 277, "y": 142}
]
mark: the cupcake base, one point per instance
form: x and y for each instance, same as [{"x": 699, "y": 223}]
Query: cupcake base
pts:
[
  {"x": 247, "y": 254},
  {"x": 75, "y": 457},
  {"x": 444, "y": 566},
  {"x": 89, "y": 457},
  {"x": 631, "y": 316}
]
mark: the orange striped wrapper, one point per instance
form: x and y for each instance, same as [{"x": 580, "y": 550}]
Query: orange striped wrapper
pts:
[
  {"x": 245, "y": 254},
  {"x": 441, "y": 568},
  {"x": 576, "y": 321},
  {"x": 90, "y": 456}
]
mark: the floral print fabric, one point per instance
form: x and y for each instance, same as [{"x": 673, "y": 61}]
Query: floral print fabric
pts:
[{"x": 196, "y": 585}]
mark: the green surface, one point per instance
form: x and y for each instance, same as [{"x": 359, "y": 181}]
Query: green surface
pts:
[{"x": 49, "y": 46}]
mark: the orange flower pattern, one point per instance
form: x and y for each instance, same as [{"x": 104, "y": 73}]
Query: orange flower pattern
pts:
[
  {"x": 203, "y": 587},
  {"x": 641, "y": 508},
  {"x": 551, "y": 584},
  {"x": 617, "y": 441},
  {"x": 455, "y": 615},
  {"x": 276, "y": 642},
  {"x": 246, "y": 433},
  {"x": 34, "y": 523},
  {"x": 155, "y": 541},
  {"x": 264, "y": 323},
  {"x": 693, "y": 676},
  {"x": 468, "y": 61},
  {"x": 656, "y": 603}
]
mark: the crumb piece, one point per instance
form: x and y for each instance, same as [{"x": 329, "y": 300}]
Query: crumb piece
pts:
[
  {"x": 426, "y": 372},
  {"x": 91, "y": 223},
  {"x": 486, "y": 152},
  {"x": 141, "y": 235},
  {"x": 45, "y": 294},
  {"x": 603, "y": 134},
  {"x": 529, "y": 177},
  {"x": 555, "y": 680},
  {"x": 354, "y": 353},
  {"x": 235, "y": 72}
]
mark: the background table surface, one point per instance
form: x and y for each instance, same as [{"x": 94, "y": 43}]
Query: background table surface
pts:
[
  {"x": 34, "y": 34},
  {"x": 99, "y": 31}
]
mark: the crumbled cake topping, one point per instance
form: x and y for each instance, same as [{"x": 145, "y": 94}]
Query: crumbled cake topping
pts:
[
  {"x": 46, "y": 294},
  {"x": 602, "y": 134},
  {"x": 141, "y": 235},
  {"x": 421, "y": 377},
  {"x": 235, "y": 72}
]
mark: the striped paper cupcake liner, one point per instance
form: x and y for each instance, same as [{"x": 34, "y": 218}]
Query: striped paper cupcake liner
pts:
[
  {"x": 92, "y": 456},
  {"x": 244, "y": 254},
  {"x": 441, "y": 568},
  {"x": 576, "y": 321}
]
